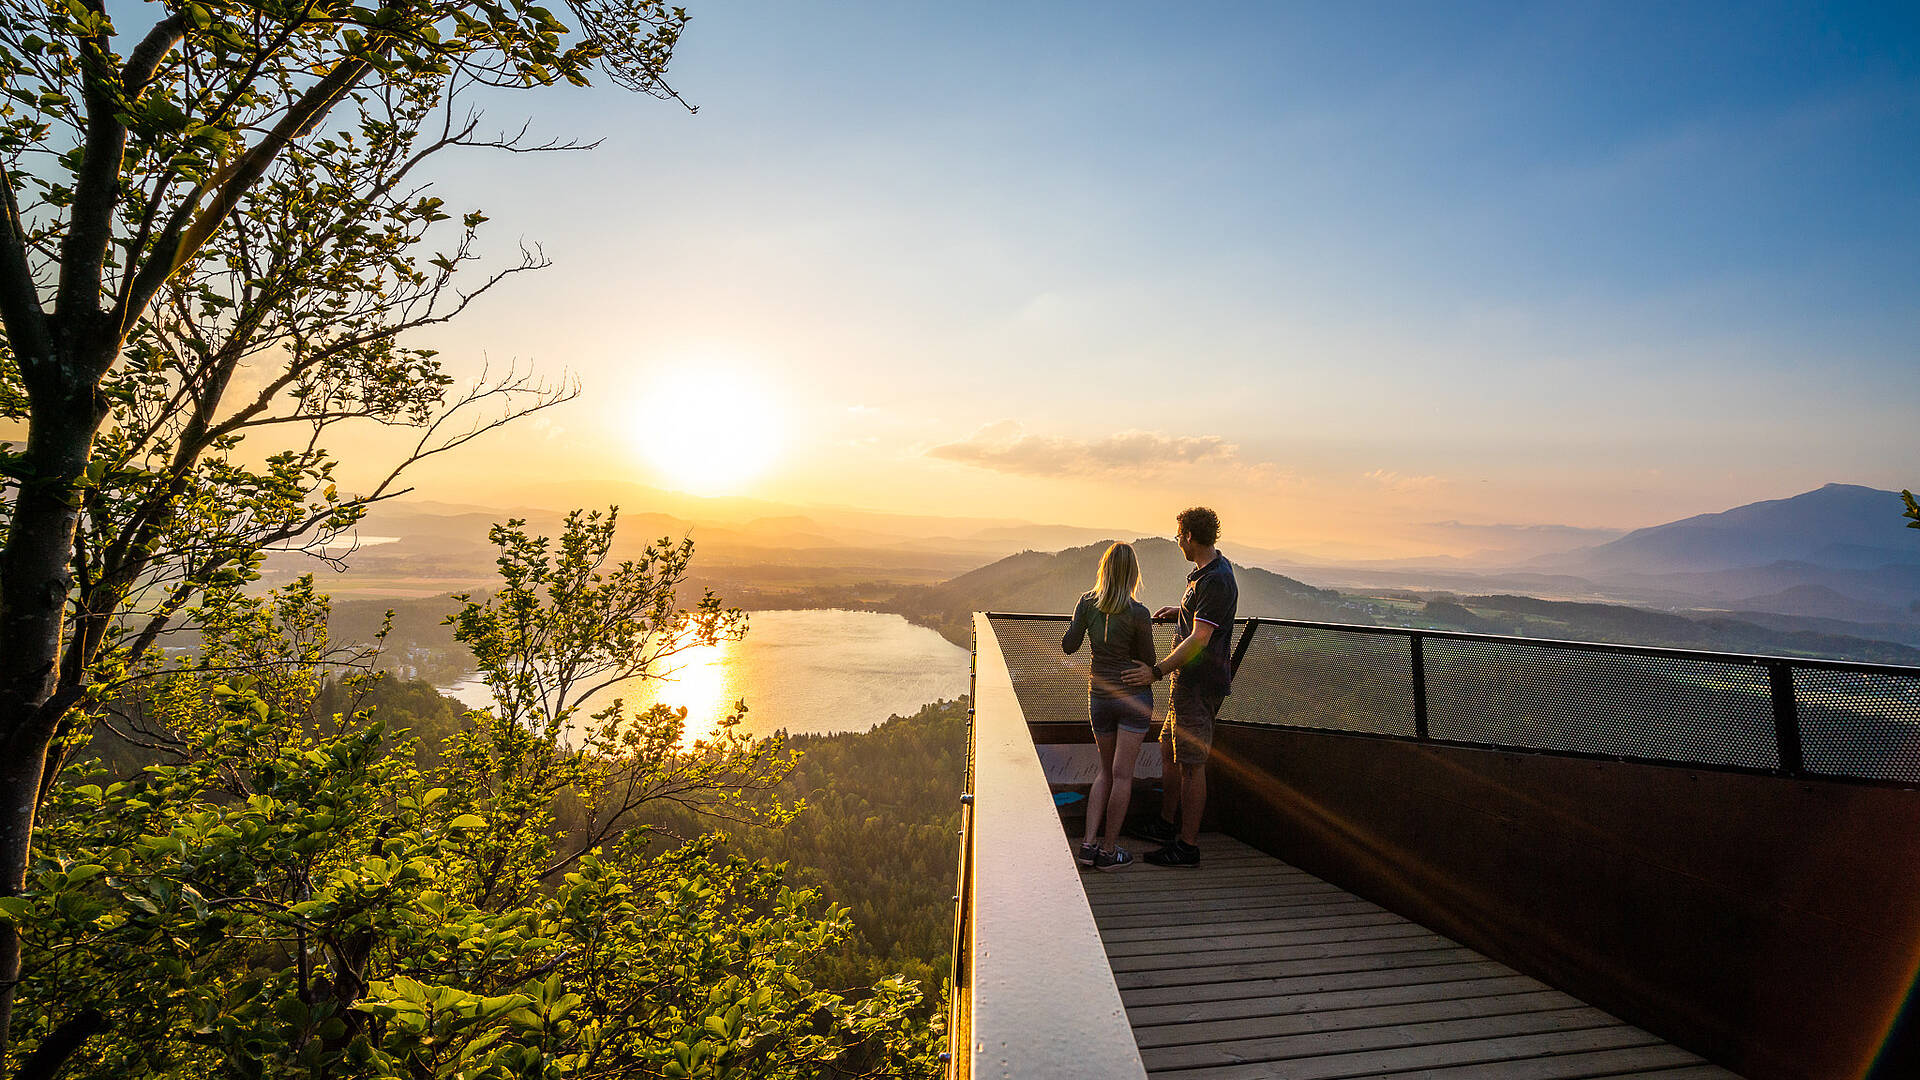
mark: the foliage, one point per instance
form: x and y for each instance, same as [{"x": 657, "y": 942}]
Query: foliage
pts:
[
  {"x": 213, "y": 238},
  {"x": 878, "y": 834},
  {"x": 298, "y": 891},
  {"x": 1912, "y": 512}
]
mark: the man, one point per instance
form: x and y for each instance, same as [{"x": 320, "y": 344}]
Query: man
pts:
[{"x": 1202, "y": 667}]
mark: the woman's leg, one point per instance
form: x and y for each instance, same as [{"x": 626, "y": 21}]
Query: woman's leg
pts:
[
  {"x": 1097, "y": 798},
  {"x": 1119, "y": 778}
]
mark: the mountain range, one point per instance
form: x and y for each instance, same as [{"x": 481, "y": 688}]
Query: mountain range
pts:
[
  {"x": 1839, "y": 526},
  {"x": 1835, "y": 553},
  {"x": 1042, "y": 581}
]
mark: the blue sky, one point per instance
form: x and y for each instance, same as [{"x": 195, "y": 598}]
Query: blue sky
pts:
[{"x": 1343, "y": 266}]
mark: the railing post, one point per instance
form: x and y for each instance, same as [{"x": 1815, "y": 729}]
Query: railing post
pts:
[
  {"x": 1786, "y": 718},
  {"x": 1419, "y": 686},
  {"x": 1240, "y": 650}
]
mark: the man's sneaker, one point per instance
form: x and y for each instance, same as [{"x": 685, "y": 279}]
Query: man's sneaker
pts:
[
  {"x": 1085, "y": 855},
  {"x": 1184, "y": 856},
  {"x": 1108, "y": 861},
  {"x": 1156, "y": 829}
]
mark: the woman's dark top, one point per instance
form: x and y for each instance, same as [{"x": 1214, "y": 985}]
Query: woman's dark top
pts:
[{"x": 1118, "y": 640}]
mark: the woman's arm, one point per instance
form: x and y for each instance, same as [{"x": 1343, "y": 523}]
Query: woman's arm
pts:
[
  {"x": 1077, "y": 629},
  {"x": 1143, "y": 635}
]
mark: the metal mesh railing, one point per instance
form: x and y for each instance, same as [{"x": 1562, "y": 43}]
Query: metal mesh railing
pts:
[
  {"x": 1309, "y": 677},
  {"x": 1050, "y": 684},
  {"x": 1858, "y": 723},
  {"x": 1620, "y": 704},
  {"x": 1719, "y": 710}
]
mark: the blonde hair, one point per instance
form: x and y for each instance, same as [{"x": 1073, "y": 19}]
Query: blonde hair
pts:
[{"x": 1118, "y": 580}]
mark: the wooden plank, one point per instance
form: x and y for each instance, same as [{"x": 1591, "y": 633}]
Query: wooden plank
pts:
[
  {"x": 1221, "y": 907},
  {"x": 1174, "y": 928},
  {"x": 1682, "y": 1073},
  {"x": 1276, "y": 962},
  {"x": 1224, "y": 902},
  {"x": 1146, "y": 879},
  {"x": 1155, "y": 955},
  {"x": 1217, "y": 853},
  {"x": 1294, "y": 907},
  {"x": 1102, "y": 900},
  {"x": 1333, "y": 973},
  {"x": 1280, "y": 892},
  {"x": 1613, "y": 1063},
  {"x": 1377, "y": 1016},
  {"x": 1192, "y": 951},
  {"x": 1166, "y": 986},
  {"x": 1420, "y": 1058},
  {"x": 1176, "y": 933},
  {"x": 1143, "y": 886},
  {"x": 1320, "y": 1044},
  {"x": 1224, "y": 859},
  {"x": 1208, "y": 864},
  {"x": 1357, "y": 992},
  {"x": 1221, "y": 844}
]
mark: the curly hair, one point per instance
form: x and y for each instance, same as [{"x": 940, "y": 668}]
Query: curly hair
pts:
[{"x": 1200, "y": 525}]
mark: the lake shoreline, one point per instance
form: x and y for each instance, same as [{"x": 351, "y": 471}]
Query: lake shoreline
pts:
[{"x": 815, "y": 671}]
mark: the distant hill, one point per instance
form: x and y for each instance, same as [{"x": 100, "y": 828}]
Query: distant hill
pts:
[
  {"x": 1820, "y": 602},
  {"x": 1053, "y": 582},
  {"x": 1838, "y": 527}
]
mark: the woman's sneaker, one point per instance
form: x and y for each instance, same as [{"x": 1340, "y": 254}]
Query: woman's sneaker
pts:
[
  {"x": 1108, "y": 861},
  {"x": 1085, "y": 855},
  {"x": 1177, "y": 854}
]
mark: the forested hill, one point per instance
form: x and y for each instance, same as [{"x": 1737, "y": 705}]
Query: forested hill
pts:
[{"x": 1053, "y": 581}]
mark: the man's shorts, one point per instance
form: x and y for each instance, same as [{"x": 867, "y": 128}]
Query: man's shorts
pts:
[
  {"x": 1133, "y": 712},
  {"x": 1188, "y": 736}
]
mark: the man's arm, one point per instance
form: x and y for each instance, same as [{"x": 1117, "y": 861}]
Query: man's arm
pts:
[{"x": 1141, "y": 675}]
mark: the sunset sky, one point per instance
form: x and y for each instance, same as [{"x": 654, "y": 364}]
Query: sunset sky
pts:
[{"x": 1336, "y": 269}]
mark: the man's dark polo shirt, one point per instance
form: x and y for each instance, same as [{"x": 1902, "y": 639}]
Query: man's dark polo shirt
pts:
[{"x": 1212, "y": 596}]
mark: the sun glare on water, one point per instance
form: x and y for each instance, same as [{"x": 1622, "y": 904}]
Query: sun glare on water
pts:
[
  {"x": 709, "y": 431},
  {"x": 699, "y": 683}
]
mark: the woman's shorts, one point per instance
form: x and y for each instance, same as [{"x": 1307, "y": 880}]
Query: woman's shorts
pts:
[{"x": 1133, "y": 712}]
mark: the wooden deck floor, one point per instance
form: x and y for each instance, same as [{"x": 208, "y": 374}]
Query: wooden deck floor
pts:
[{"x": 1247, "y": 967}]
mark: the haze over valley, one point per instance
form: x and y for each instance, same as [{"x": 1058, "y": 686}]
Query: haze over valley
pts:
[{"x": 1828, "y": 572}]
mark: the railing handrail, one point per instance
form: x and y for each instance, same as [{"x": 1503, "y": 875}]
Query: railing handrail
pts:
[
  {"x": 1751, "y": 659},
  {"x": 1033, "y": 988}
]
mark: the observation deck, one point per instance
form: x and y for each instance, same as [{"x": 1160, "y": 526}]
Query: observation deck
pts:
[{"x": 1456, "y": 855}]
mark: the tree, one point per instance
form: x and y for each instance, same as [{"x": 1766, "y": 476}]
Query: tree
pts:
[
  {"x": 298, "y": 893},
  {"x": 1912, "y": 512},
  {"x": 212, "y": 232}
]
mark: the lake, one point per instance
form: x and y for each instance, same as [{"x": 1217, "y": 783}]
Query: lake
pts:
[{"x": 811, "y": 671}]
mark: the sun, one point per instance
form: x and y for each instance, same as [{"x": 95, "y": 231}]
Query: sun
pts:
[{"x": 709, "y": 431}]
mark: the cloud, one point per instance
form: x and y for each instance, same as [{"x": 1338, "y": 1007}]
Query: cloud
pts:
[
  {"x": 1004, "y": 446},
  {"x": 1387, "y": 478}
]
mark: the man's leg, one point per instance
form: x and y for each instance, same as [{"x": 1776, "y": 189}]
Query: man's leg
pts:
[
  {"x": 1171, "y": 783},
  {"x": 1193, "y": 801}
]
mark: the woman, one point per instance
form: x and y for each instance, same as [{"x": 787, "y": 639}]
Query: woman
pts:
[{"x": 1122, "y": 633}]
